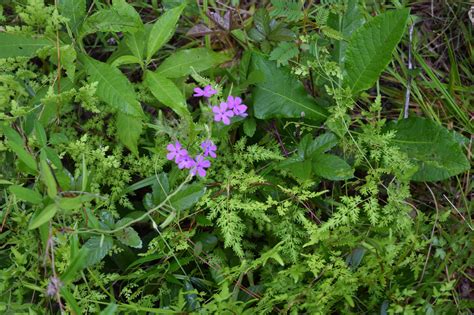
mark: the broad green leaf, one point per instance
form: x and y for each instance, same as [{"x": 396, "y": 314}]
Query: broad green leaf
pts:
[
  {"x": 121, "y": 17},
  {"x": 129, "y": 129},
  {"x": 98, "y": 247},
  {"x": 332, "y": 167},
  {"x": 297, "y": 166},
  {"x": 431, "y": 147},
  {"x": 13, "y": 45},
  {"x": 321, "y": 144},
  {"x": 74, "y": 10},
  {"x": 163, "y": 30},
  {"x": 188, "y": 196},
  {"x": 250, "y": 126},
  {"x": 15, "y": 143},
  {"x": 26, "y": 194},
  {"x": 371, "y": 46},
  {"x": 182, "y": 63},
  {"x": 42, "y": 216},
  {"x": 47, "y": 176},
  {"x": 167, "y": 93},
  {"x": 113, "y": 87},
  {"x": 128, "y": 236},
  {"x": 282, "y": 95}
]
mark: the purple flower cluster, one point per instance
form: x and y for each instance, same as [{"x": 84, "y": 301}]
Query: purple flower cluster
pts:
[
  {"x": 197, "y": 165},
  {"x": 226, "y": 110}
]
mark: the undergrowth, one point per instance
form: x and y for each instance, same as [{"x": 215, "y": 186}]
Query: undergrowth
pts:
[{"x": 269, "y": 157}]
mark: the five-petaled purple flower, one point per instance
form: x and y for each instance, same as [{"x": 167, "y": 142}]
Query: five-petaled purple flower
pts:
[
  {"x": 209, "y": 148},
  {"x": 222, "y": 113},
  {"x": 176, "y": 152},
  {"x": 184, "y": 162},
  {"x": 208, "y": 91},
  {"x": 235, "y": 103},
  {"x": 199, "y": 166}
]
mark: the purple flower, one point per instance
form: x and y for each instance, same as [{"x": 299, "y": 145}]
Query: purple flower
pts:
[
  {"x": 53, "y": 286},
  {"x": 176, "y": 152},
  {"x": 208, "y": 91},
  {"x": 235, "y": 103},
  {"x": 199, "y": 166},
  {"x": 184, "y": 162},
  {"x": 209, "y": 148},
  {"x": 222, "y": 113}
]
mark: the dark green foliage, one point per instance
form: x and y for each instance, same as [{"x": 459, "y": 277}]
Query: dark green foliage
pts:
[{"x": 323, "y": 200}]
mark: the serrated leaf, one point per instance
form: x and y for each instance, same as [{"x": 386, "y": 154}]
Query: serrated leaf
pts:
[
  {"x": 431, "y": 147},
  {"x": 74, "y": 10},
  {"x": 13, "y": 45},
  {"x": 167, "y": 93},
  {"x": 281, "y": 95},
  {"x": 129, "y": 237},
  {"x": 182, "y": 62},
  {"x": 284, "y": 52},
  {"x": 321, "y": 144},
  {"x": 332, "y": 167},
  {"x": 163, "y": 30},
  {"x": 371, "y": 46},
  {"x": 188, "y": 196},
  {"x": 42, "y": 216},
  {"x": 98, "y": 247},
  {"x": 297, "y": 166},
  {"x": 121, "y": 17},
  {"x": 26, "y": 194},
  {"x": 113, "y": 87},
  {"x": 129, "y": 129}
]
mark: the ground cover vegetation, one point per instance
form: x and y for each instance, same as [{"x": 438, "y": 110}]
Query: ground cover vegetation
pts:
[{"x": 236, "y": 157}]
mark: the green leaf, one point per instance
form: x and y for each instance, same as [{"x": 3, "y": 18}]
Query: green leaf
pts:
[
  {"x": 74, "y": 202},
  {"x": 74, "y": 10},
  {"x": 111, "y": 309},
  {"x": 188, "y": 196},
  {"x": 431, "y": 147},
  {"x": 98, "y": 247},
  {"x": 113, "y": 87},
  {"x": 13, "y": 45},
  {"x": 345, "y": 24},
  {"x": 47, "y": 176},
  {"x": 136, "y": 43},
  {"x": 129, "y": 129},
  {"x": 371, "y": 46},
  {"x": 42, "y": 216},
  {"x": 163, "y": 30},
  {"x": 250, "y": 126},
  {"x": 129, "y": 237},
  {"x": 167, "y": 93},
  {"x": 40, "y": 133},
  {"x": 281, "y": 95},
  {"x": 70, "y": 300},
  {"x": 26, "y": 194},
  {"x": 121, "y": 17},
  {"x": 182, "y": 63},
  {"x": 125, "y": 60},
  {"x": 332, "y": 167},
  {"x": 15, "y": 143},
  {"x": 321, "y": 144},
  {"x": 77, "y": 263},
  {"x": 297, "y": 166}
]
